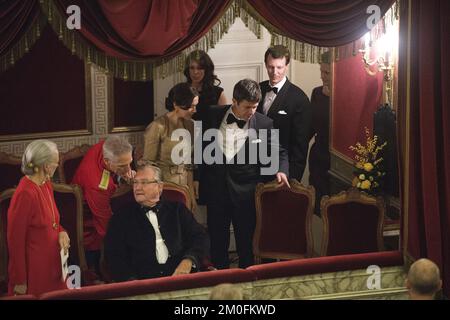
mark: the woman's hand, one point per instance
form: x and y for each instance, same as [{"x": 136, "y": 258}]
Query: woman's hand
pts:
[
  {"x": 20, "y": 289},
  {"x": 196, "y": 190},
  {"x": 64, "y": 241}
]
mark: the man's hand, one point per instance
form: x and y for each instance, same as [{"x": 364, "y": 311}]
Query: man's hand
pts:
[
  {"x": 129, "y": 176},
  {"x": 282, "y": 179},
  {"x": 64, "y": 241},
  {"x": 184, "y": 267},
  {"x": 20, "y": 289}
]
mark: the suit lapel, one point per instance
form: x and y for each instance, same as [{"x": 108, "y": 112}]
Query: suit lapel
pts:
[
  {"x": 219, "y": 117},
  {"x": 278, "y": 103}
]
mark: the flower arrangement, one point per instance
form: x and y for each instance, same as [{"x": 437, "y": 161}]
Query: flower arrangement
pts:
[{"x": 368, "y": 168}]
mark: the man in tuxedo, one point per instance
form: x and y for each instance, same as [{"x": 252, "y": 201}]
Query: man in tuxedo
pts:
[
  {"x": 152, "y": 238},
  {"x": 237, "y": 165},
  {"x": 289, "y": 107}
]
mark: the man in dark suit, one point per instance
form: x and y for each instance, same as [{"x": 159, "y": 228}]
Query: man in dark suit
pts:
[
  {"x": 152, "y": 238},
  {"x": 234, "y": 163},
  {"x": 289, "y": 107}
]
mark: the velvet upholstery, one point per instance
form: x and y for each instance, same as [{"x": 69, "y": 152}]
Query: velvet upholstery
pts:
[
  {"x": 352, "y": 223},
  {"x": 283, "y": 221},
  {"x": 164, "y": 284}
]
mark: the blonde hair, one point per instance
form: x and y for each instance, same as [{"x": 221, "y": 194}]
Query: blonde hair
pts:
[
  {"x": 226, "y": 291},
  {"x": 37, "y": 154}
]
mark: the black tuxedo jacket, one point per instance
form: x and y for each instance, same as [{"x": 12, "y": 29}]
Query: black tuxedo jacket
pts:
[
  {"x": 130, "y": 249},
  {"x": 292, "y": 115},
  {"x": 236, "y": 178}
]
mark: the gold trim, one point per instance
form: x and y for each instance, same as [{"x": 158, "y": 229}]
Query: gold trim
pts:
[
  {"x": 351, "y": 195},
  {"x": 75, "y": 190},
  {"x": 111, "y": 109},
  {"x": 407, "y": 137},
  {"x": 298, "y": 188},
  {"x": 23, "y": 46},
  {"x": 68, "y": 133}
]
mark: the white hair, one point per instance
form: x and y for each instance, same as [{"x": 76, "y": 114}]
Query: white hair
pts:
[
  {"x": 115, "y": 146},
  {"x": 147, "y": 164},
  {"x": 37, "y": 154}
]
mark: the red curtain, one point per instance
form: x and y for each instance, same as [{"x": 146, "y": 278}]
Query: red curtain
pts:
[
  {"x": 136, "y": 30},
  {"x": 428, "y": 158},
  {"x": 16, "y": 16},
  {"x": 326, "y": 23}
]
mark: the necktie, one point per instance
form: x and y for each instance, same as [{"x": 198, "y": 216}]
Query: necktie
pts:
[
  {"x": 274, "y": 89},
  {"x": 231, "y": 118}
]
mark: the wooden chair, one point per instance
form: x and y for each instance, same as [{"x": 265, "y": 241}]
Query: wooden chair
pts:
[
  {"x": 176, "y": 192},
  {"x": 69, "y": 200},
  {"x": 5, "y": 199},
  {"x": 69, "y": 162},
  {"x": 352, "y": 223},
  {"x": 10, "y": 171},
  {"x": 283, "y": 221}
]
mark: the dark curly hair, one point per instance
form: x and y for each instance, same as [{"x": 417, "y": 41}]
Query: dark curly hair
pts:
[{"x": 204, "y": 61}]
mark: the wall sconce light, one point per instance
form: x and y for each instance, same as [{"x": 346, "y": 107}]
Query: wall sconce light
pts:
[{"x": 384, "y": 48}]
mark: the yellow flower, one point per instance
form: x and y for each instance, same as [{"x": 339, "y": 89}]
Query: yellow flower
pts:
[
  {"x": 362, "y": 177},
  {"x": 355, "y": 181},
  {"x": 368, "y": 166},
  {"x": 365, "y": 185}
]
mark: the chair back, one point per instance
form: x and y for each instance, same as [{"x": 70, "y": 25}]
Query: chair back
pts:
[
  {"x": 283, "y": 221},
  {"x": 69, "y": 162},
  {"x": 352, "y": 223},
  {"x": 5, "y": 200},
  {"x": 177, "y": 193},
  {"x": 69, "y": 200},
  {"x": 10, "y": 171}
]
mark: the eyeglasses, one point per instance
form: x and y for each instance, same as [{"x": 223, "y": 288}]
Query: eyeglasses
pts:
[{"x": 143, "y": 182}]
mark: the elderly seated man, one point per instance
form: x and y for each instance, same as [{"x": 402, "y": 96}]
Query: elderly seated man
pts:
[{"x": 153, "y": 238}]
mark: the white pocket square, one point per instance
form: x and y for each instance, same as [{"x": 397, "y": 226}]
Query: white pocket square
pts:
[
  {"x": 257, "y": 141},
  {"x": 282, "y": 112}
]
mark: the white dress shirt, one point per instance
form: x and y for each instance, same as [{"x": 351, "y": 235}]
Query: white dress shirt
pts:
[
  {"x": 270, "y": 96},
  {"x": 233, "y": 137},
  {"x": 162, "y": 253}
]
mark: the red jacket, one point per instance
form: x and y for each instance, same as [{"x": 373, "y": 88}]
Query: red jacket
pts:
[{"x": 98, "y": 186}]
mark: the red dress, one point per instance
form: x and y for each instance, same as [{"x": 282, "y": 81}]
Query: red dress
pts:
[
  {"x": 34, "y": 251},
  {"x": 98, "y": 187}
]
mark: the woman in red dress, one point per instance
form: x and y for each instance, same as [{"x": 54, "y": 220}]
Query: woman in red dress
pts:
[{"x": 35, "y": 237}]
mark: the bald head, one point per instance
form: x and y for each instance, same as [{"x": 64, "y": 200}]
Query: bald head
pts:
[{"x": 424, "y": 278}]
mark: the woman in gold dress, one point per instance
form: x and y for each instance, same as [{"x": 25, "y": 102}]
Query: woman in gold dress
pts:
[{"x": 159, "y": 144}]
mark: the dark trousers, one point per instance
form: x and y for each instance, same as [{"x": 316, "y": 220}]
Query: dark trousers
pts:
[{"x": 243, "y": 218}]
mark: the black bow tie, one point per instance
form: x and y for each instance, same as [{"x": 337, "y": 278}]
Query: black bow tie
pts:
[
  {"x": 231, "y": 118},
  {"x": 274, "y": 89},
  {"x": 155, "y": 208}
]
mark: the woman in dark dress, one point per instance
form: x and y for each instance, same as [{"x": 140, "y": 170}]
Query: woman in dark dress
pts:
[{"x": 319, "y": 157}]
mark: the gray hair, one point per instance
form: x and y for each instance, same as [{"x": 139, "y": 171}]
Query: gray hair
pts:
[
  {"x": 115, "y": 146},
  {"x": 37, "y": 154},
  {"x": 147, "y": 164}
]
